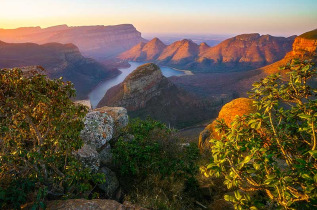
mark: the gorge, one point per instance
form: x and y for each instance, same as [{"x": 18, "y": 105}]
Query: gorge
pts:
[{"x": 98, "y": 93}]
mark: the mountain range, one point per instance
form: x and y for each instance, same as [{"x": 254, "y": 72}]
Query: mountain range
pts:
[
  {"x": 242, "y": 52},
  {"x": 188, "y": 100},
  {"x": 93, "y": 41}
]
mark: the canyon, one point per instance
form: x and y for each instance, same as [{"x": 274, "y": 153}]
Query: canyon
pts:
[
  {"x": 146, "y": 92},
  {"x": 98, "y": 42},
  {"x": 58, "y": 60}
]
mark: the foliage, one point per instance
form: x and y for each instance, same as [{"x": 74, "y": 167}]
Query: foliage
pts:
[
  {"x": 155, "y": 168},
  {"x": 273, "y": 151},
  {"x": 39, "y": 130}
]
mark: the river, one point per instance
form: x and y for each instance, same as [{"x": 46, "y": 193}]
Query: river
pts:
[{"x": 98, "y": 93}]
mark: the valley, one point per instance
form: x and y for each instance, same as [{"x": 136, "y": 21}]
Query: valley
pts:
[{"x": 98, "y": 93}]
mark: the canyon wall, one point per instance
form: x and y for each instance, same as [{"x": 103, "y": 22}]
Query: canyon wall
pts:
[{"x": 93, "y": 41}]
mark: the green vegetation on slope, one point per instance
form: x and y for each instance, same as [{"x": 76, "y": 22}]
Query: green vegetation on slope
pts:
[
  {"x": 39, "y": 130},
  {"x": 271, "y": 155},
  {"x": 155, "y": 170},
  {"x": 310, "y": 34}
]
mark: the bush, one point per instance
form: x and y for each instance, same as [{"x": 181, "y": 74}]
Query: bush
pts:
[
  {"x": 39, "y": 130},
  {"x": 155, "y": 169},
  {"x": 272, "y": 154}
]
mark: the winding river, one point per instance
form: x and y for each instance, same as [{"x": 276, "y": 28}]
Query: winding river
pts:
[{"x": 98, "y": 93}]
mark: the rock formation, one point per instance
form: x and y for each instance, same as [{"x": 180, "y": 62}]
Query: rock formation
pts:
[
  {"x": 243, "y": 52},
  {"x": 59, "y": 60},
  {"x": 93, "y": 41},
  {"x": 146, "y": 92},
  {"x": 100, "y": 127},
  {"x": 237, "y": 107}
]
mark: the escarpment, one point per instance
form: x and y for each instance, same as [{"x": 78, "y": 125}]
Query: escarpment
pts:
[{"x": 93, "y": 41}]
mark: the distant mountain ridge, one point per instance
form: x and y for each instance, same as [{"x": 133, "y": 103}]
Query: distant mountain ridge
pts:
[
  {"x": 59, "y": 60},
  {"x": 242, "y": 52},
  {"x": 93, "y": 41}
]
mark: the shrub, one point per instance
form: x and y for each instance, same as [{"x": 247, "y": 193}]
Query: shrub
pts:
[
  {"x": 155, "y": 169},
  {"x": 272, "y": 153},
  {"x": 39, "y": 130}
]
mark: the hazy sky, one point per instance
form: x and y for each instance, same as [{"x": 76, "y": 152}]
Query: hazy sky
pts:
[{"x": 277, "y": 17}]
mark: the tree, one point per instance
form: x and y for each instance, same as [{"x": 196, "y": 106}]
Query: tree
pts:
[
  {"x": 39, "y": 130},
  {"x": 272, "y": 152}
]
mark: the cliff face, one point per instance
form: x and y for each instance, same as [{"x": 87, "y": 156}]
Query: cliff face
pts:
[
  {"x": 243, "y": 52},
  {"x": 146, "y": 92},
  {"x": 93, "y": 41},
  {"x": 59, "y": 60},
  {"x": 305, "y": 46}
]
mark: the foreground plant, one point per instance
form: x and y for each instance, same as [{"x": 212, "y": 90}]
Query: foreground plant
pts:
[
  {"x": 272, "y": 154},
  {"x": 39, "y": 130}
]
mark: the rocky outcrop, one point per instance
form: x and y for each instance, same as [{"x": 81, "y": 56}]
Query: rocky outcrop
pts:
[
  {"x": 98, "y": 129},
  {"x": 237, "y": 107},
  {"x": 240, "y": 53},
  {"x": 304, "y": 46},
  {"x": 89, "y": 157},
  {"x": 118, "y": 114},
  {"x": 58, "y": 60},
  {"x": 101, "y": 126},
  {"x": 146, "y": 92},
  {"x": 85, "y": 103},
  {"x": 95, "y": 204},
  {"x": 93, "y": 41}
]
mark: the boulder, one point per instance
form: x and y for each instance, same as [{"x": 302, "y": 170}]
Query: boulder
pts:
[
  {"x": 118, "y": 114},
  {"x": 237, "y": 107},
  {"x": 95, "y": 204},
  {"x": 89, "y": 157},
  {"x": 106, "y": 156},
  {"x": 85, "y": 103},
  {"x": 111, "y": 185},
  {"x": 98, "y": 129}
]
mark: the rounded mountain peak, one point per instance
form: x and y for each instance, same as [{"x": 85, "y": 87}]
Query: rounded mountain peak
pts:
[
  {"x": 145, "y": 70},
  {"x": 204, "y": 44}
]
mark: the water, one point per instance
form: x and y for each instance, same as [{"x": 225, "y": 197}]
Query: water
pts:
[{"x": 98, "y": 93}]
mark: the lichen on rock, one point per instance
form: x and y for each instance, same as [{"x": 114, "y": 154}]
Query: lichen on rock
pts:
[{"x": 98, "y": 129}]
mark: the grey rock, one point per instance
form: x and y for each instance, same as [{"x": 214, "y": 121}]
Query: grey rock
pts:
[
  {"x": 89, "y": 157},
  {"x": 98, "y": 129},
  {"x": 85, "y": 103},
  {"x": 119, "y": 115},
  {"x": 111, "y": 185},
  {"x": 106, "y": 156}
]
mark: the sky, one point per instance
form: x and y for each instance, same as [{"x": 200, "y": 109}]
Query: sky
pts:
[{"x": 276, "y": 17}]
